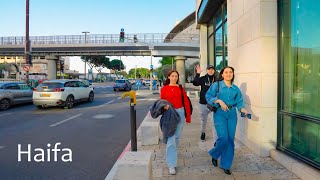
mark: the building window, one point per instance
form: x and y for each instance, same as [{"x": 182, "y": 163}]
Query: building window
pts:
[
  {"x": 217, "y": 39},
  {"x": 299, "y": 120}
]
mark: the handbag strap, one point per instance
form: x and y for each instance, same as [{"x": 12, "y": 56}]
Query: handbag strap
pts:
[
  {"x": 184, "y": 107},
  {"x": 181, "y": 95},
  {"x": 218, "y": 89}
]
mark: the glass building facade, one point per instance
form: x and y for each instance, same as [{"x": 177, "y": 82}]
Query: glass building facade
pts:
[
  {"x": 218, "y": 39},
  {"x": 299, "y": 80}
]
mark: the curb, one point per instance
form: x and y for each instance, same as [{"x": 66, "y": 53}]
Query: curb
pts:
[{"x": 112, "y": 172}]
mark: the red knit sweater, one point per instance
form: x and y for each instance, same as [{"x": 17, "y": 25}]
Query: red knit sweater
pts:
[{"x": 173, "y": 95}]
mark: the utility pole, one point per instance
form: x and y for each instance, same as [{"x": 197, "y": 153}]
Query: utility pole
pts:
[{"x": 27, "y": 42}]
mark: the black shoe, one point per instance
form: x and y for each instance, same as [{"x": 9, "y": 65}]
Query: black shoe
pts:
[
  {"x": 227, "y": 171},
  {"x": 215, "y": 162},
  {"x": 203, "y": 136}
]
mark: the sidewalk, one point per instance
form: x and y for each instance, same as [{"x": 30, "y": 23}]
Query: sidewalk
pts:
[{"x": 194, "y": 161}]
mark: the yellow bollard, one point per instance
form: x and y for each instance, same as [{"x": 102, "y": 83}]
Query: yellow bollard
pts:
[{"x": 132, "y": 95}]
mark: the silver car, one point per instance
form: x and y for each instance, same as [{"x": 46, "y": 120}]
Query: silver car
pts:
[{"x": 12, "y": 93}]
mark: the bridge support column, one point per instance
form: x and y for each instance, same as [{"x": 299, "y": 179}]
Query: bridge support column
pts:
[
  {"x": 180, "y": 66},
  {"x": 52, "y": 67}
]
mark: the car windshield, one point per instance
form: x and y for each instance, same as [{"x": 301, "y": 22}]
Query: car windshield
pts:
[
  {"x": 120, "y": 81},
  {"x": 49, "y": 86}
]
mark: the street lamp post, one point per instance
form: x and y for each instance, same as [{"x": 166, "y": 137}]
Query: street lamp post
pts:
[
  {"x": 27, "y": 44},
  {"x": 85, "y": 64},
  {"x": 135, "y": 72},
  {"x": 151, "y": 66}
]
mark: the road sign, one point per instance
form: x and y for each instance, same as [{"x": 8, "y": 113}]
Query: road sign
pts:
[
  {"x": 138, "y": 83},
  {"x": 122, "y": 30},
  {"x": 151, "y": 66},
  {"x": 26, "y": 68}
]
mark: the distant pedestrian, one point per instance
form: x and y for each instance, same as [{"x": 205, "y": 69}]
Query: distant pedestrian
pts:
[
  {"x": 205, "y": 82},
  {"x": 227, "y": 97},
  {"x": 172, "y": 93}
]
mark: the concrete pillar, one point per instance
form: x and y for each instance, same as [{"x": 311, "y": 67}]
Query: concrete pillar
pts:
[
  {"x": 203, "y": 49},
  {"x": 18, "y": 76},
  {"x": 180, "y": 66},
  {"x": 6, "y": 75},
  {"x": 52, "y": 67}
]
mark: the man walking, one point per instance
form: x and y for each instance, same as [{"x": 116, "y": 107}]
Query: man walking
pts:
[{"x": 205, "y": 82}]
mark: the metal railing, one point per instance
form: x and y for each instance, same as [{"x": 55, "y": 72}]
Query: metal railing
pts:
[{"x": 103, "y": 39}]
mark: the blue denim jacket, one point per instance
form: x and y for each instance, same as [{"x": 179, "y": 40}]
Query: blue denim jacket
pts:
[{"x": 230, "y": 96}]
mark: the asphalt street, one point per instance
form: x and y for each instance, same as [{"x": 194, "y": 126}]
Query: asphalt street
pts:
[{"x": 95, "y": 132}]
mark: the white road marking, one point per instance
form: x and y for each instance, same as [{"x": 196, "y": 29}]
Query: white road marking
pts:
[
  {"x": 1, "y": 147},
  {"x": 109, "y": 102},
  {"x": 63, "y": 121},
  {"x": 103, "y": 116},
  {"x": 5, "y": 114},
  {"x": 119, "y": 98},
  {"x": 147, "y": 99}
]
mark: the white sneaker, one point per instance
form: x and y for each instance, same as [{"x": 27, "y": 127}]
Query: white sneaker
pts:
[{"x": 172, "y": 170}]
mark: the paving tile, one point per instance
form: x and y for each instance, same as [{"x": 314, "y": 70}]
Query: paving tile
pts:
[
  {"x": 194, "y": 162},
  {"x": 217, "y": 177}
]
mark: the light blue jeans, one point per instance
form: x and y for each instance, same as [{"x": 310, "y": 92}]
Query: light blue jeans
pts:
[
  {"x": 173, "y": 141},
  {"x": 225, "y": 124}
]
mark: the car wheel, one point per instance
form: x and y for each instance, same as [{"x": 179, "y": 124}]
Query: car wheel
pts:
[
  {"x": 4, "y": 104},
  {"x": 40, "y": 107},
  {"x": 69, "y": 102},
  {"x": 114, "y": 89},
  {"x": 91, "y": 97}
]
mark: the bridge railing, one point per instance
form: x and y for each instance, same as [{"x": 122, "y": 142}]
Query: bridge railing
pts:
[{"x": 103, "y": 39}]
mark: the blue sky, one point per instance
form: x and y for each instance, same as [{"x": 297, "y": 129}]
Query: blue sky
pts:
[
  {"x": 71, "y": 17},
  {"x": 67, "y": 17}
]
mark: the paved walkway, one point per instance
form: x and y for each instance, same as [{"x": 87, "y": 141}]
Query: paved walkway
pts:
[{"x": 195, "y": 163}]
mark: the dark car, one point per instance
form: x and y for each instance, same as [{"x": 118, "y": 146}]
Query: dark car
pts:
[
  {"x": 12, "y": 93},
  {"x": 122, "y": 84}
]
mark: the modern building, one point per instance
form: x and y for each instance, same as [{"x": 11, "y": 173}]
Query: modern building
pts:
[{"x": 274, "y": 47}]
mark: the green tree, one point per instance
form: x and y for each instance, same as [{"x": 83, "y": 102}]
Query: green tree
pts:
[
  {"x": 124, "y": 74},
  {"x": 97, "y": 62},
  {"x": 141, "y": 73},
  {"x": 117, "y": 64},
  {"x": 167, "y": 60},
  {"x": 2, "y": 67}
]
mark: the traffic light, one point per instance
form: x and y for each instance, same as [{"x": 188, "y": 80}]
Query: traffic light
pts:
[
  {"x": 122, "y": 36},
  {"x": 62, "y": 65}
]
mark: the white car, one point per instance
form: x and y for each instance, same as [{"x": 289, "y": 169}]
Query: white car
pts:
[{"x": 61, "y": 92}]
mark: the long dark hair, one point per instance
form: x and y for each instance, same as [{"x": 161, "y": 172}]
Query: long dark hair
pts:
[
  {"x": 169, "y": 74},
  {"x": 222, "y": 70}
]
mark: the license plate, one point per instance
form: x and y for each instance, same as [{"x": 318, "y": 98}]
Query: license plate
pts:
[{"x": 45, "y": 95}]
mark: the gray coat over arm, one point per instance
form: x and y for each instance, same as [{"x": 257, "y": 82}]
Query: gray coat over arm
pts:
[{"x": 169, "y": 119}]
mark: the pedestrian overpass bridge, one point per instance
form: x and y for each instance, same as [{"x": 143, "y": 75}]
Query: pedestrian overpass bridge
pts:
[
  {"x": 157, "y": 45},
  {"x": 178, "y": 45}
]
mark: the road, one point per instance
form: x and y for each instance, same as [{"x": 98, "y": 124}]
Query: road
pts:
[{"x": 96, "y": 133}]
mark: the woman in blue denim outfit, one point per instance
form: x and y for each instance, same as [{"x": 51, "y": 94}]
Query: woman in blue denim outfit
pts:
[{"x": 227, "y": 99}]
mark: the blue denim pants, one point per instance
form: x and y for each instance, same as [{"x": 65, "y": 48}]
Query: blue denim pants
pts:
[
  {"x": 225, "y": 124},
  {"x": 173, "y": 141}
]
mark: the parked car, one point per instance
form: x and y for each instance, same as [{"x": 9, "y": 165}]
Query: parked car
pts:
[
  {"x": 146, "y": 82},
  {"x": 122, "y": 84},
  {"x": 12, "y": 93},
  {"x": 62, "y": 92}
]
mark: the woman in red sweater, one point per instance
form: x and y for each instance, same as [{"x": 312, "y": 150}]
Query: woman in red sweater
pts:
[{"x": 172, "y": 93}]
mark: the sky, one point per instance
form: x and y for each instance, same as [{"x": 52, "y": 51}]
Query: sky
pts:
[{"x": 71, "y": 17}]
